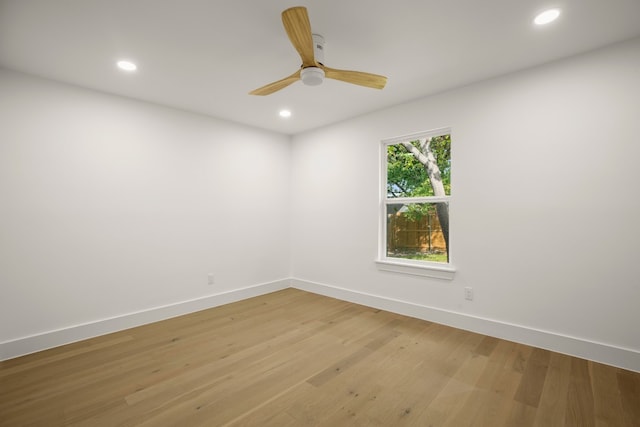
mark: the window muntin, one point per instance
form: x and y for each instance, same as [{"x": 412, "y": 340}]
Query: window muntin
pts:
[{"x": 415, "y": 199}]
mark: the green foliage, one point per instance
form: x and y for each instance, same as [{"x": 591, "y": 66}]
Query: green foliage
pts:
[
  {"x": 415, "y": 212},
  {"x": 407, "y": 177}
]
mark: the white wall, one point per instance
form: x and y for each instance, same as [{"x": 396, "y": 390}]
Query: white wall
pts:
[
  {"x": 545, "y": 212},
  {"x": 110, "y": 206}
]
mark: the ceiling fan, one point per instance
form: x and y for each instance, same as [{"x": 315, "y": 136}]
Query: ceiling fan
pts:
[{"x": 311, "y": 49}]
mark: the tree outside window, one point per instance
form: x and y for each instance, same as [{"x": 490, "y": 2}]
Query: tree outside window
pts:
[{"x": 416, "y": 197}]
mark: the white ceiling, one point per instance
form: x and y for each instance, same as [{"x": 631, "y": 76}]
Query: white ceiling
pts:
[{"x": 206, "y": 55}]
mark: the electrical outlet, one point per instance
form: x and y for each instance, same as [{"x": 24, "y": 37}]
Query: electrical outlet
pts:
[
  {"x": 468, "y": 293},
  {"x": 210, "y": 279}
]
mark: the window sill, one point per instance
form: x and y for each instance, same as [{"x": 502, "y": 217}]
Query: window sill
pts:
[{"x": 444, "y": 272}]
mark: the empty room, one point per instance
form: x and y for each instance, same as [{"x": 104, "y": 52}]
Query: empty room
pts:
[{"x": 356, "y": 213}]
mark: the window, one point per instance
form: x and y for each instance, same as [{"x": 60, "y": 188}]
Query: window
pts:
[{"x": 415, "y": 199}]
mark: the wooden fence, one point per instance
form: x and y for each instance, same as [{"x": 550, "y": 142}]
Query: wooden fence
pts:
[{"x": 407, "y": 235}]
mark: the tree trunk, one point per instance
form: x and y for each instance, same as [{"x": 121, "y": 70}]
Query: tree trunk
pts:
[{"x": 425, "y": 156}]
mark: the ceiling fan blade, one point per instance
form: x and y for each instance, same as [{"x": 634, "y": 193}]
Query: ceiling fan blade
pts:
[
  {"x": 356, "y": 77},
  {"x": 298, "y": 28},
  {"x": 276, "y": 86}
]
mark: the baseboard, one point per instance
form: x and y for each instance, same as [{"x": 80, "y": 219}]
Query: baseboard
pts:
[
  {"x": 55, "y": 338},
  {"x": 590, "y": 350},
  {"x": 586, "y": 349}
]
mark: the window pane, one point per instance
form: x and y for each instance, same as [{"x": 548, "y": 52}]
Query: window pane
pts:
[
  {"x": 418, "y": 231},
  {"x": 408, "y": 163}
]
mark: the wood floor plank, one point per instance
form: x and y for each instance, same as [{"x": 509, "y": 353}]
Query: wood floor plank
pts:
[
  {"x": 293, "y": 358},
  {"x": 580, "y": 405},
  {"x": 608, "y": 408},
  {"x": 496, "y": 411},
  {"x": 629, "y": 387},
  {"x": 374, "y": 341},
  {"x": 368, "y": 398},
  {"x": 496, "y": 384},
  {"x": 460, "y": 366},
  {"x": 552, "y": 406},
  {"x": 521, "y": 415},
  {"x": 487, "y": 345},
  {"x": 533, "y": 378}
]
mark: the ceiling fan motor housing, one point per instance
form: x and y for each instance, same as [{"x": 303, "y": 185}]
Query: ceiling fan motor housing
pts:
[
  {"x": 318, "y": 48},
  {"x": 312, "y": 76}
]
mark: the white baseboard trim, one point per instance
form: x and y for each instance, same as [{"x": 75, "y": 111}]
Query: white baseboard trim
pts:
[
  {"x": 586, "y": 349},
  {"x": 55, "y": 338}
]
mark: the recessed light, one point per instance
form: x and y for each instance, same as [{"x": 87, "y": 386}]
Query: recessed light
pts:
[
  {"x": 285, "y": 113},
  {"x": 127, "y": 65},
  {"x": 547, "y": 17}
]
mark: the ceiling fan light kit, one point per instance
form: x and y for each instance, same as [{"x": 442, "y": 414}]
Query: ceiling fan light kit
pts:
[{"x": 310, "y": 47}]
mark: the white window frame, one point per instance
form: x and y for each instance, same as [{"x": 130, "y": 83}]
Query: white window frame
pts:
[{"x": 437, "y": 270}]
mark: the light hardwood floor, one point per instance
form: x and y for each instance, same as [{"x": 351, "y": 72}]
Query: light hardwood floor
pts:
[{"x": 293, "y": 358}]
